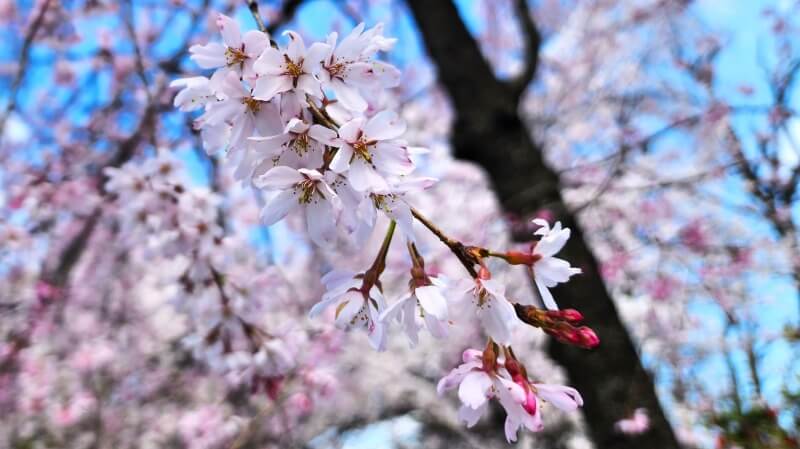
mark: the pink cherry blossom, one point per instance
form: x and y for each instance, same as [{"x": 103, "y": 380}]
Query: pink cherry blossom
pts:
[
  {"x": 290, "y": 69},
  {"x": 237, "y": 52},
  {"x": 369, "y": 151}
]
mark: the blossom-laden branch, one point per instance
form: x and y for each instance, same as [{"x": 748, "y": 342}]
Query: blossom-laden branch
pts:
[{"x": 300, "y": 123}]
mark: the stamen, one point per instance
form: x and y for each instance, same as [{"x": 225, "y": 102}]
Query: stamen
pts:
[
  {"x": 301, "y": 144},
  {"x": 308, "y": 188},
  {"x": 362, "y": 149},
  {"x": 234, "y": 56},
  {"x": 336, "y": 69},
  {"x": 293, "y": 69},
  {"x": 252, "y": 104}
]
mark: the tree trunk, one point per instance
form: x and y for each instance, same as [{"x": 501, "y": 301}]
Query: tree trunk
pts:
[{"x": 489, "y": 131}]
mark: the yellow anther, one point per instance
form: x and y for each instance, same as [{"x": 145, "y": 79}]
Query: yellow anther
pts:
[
  {"x": 362, "y": 149},
  {"x": 234, "y": 56},
  {"x": 252, "y": 104},
  {"x": 292, "y": 68}
]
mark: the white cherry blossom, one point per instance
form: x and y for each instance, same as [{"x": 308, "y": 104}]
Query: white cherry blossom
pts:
[
  {"x": 301, "y": 188},
  {"x": 302, "y": 142},
  {"x": 486, "y": 298},
  {"x": 369, "y": 151},
  {"x": 196, "y": 92},
  {"x": 528, "y": 414},
  {"x": 292, "y": 68},
  {"x": 549, "y": 271},
  {"x": 236, "y": 52},
  {"x": 477, "y": 384},
  {"x": 425, "y": 303},
  {"x": 349, "y": 67},
  {"x": 237, "y": 107},
  {"x": 355, "y": 308}
]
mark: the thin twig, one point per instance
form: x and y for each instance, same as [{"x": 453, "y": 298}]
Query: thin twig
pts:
[
  {"x": 456, "y": 247},
  {"x": 253, "y": 6},
  {"x": 23, "y": 64}
]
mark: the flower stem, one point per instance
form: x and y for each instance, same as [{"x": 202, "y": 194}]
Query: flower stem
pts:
[
  {"x": 321, "y": 116},
  {"x": 252, "y": 5},
  {"x": 461, "y": 252},
  {"x": 371, "y": 276}
]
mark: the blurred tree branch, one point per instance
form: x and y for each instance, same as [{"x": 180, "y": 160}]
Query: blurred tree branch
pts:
[
  {"x": 23, "y": 63},
  {"x": 533, "y": 41}
]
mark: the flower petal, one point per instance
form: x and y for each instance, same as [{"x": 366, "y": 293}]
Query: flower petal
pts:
[
  {"x": 279, "y": 206},
  {"x": 562, "y": 397},
  {"x": 432, "y": 301},
  {"x": 278, "y": 178},
  {"x": 348, "y": 96},
  {"x": 320, "y": 221},
  {"x": 547, "y": 297},
  {"x": 229, "y": 29},
  {"x": 323, "y": 135},
  {"x": 384, "y": 125},
  {"x": 472, "y": 391},
  {"x": 268, "y": 86},
  {"x": 364, "y": 178},
  {"x": 341, "y": 160},
  {"x": 209, "y": 56}
]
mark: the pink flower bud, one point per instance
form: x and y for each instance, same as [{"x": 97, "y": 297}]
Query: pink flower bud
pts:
[
  {"x": 571, "y": 316},
  {"x": 588, "y": 339},
  {"x": 530, "y": 403}
]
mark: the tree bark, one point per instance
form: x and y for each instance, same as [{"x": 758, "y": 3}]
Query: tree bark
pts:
[{"x": 489, "y": 131}]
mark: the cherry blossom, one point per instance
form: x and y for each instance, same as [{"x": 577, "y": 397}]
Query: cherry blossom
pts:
[
  {"x": 485, "y": 297},
  {"x": 478, "y": 381},
  {"x": 301, "y": 188},
  {"x": 349, "y": 68},
  {"x": 239, "y": 108},
  {"x": 484, "y": 376},
  {"x": 302, "y": 142},
  {"x": 357, "y": 305},
  {"x": 426, "y": 303},
  {"x": 635, "y": 424},
  {"x": 165, "y": 265},
  {"x": 547, "y": 271},
  {"x": 290, "y": 69},
  {"x": 369, "y": 151},
  {"x": 196, "y": 92},
  {"x": 394, "y": 204},
  {"x": 237, "y": 53}
]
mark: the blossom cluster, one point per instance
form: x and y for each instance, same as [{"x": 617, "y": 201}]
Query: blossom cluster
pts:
[
  {"x": 301, "y": 124},
  {"x": 180, "y": 223},
  {"x": 268, "y": 108},
  {"x": 484, "y": 375}
]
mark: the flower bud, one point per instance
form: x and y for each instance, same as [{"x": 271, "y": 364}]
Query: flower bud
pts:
[
  {"x": 582, "y": 337},
  {"x": 588, "y": 339},
  {"x": 571, "y": 316}
]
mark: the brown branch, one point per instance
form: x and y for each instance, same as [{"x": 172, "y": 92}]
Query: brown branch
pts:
[
  {"x": 71, "y": 254},
  {"x": 173, "y": 63},
  {"x": 253, "y": 6},
  {"x": 533, "y": 42},
  {"x": 137, "y": 50},
  {"x": 287, "y": 12},
  {"x": 457, "y": 248}
]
